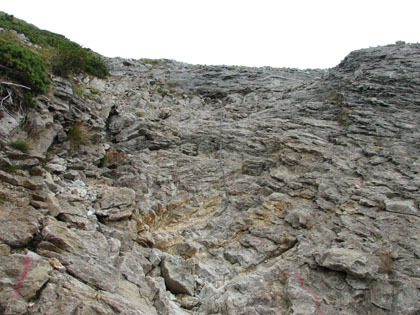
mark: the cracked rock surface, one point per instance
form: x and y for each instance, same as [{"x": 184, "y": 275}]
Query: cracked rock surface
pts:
[{"x": 218, "y": 190}]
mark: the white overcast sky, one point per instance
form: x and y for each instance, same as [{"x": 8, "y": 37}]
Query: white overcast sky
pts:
[{"x": 292, "y": 33}]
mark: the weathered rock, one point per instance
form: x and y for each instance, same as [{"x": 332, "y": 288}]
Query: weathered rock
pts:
[
  {"x": 406, "y": 298},
  {"x": 53, "y": 205},
  {"x": 18, "y": 226},
  {"x": 65, "y": 293},
  {"x": 56, "y": 264},
  {"x": 302, "y": 299},
  {"x": 21, "y": 278},
  {"x": 134, "y": 265},
  {"x": 177, "y": 278},
  {"x": 8, "y": 123},
  {"x": 18, "y": 180},
  {"x": 223, "y": 190},
  {"x": 381, "y": 294},
  {"x": 57, "y": 164},
  {"x": 402, "y": 207},
  {"x": 63, "y": 88},
  {"x": 56, "y": 237},
  {"x": 353, "y": 262},
  {"x": 113, "y": 197},
  {"x": 27, "y": 163},
  {"x": 43, "y": 131},
  {"x": 113, "y": 156},
  {"x": 299, "y": 218},
  {"x": 4, "y": 250},
  {"x": 72, "y": 175},
  {"x": 95, "y": 273}
]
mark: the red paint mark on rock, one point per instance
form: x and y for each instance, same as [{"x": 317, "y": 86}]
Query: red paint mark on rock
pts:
[
  {"x": 302, "y": 284},
  {"x": 26, "y": 263},
  {"x": 257, "y": 241}
]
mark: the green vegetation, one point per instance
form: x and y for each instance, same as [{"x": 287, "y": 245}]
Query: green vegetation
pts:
[
  {"x": 146, "y": 61},
  {"x": 23, "y": 65},
  {"x": 3, "y": 199},
  {"x": 235, "y": 116},
  {"x": 78, "y": 89},
  {"x": 237, "y": 68},
  {"x": 162, "y": 92},
  {"x": 343, "y": 116},
  {"x": 94, "y": 91},
  {"x": 78, "y": 135},
  {"x": 28, "y": 64},
  {"x": 21, "y": 145},
  {"x": 12, "y": 169},
  {"x": 70, "y": 58}
]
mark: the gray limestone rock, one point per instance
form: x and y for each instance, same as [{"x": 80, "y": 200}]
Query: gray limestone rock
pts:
[
  {"x": 18, "y": 180},
  {"x": 18, "y": 226},
  {"x": 57, "y": 164},
  {"x": 300, "y": 218},
  {"x": 177, "y": 278},
  {"x": 21, "y": 278},
  {"x": 111, "y": 197},
  {"x": 219, "y": 190},
  {"x": 381, "y": 294},
  {"x": 353, "y": 262},
  {"x": 402, "y": 207},
  {"x": 405, "y": 298}
]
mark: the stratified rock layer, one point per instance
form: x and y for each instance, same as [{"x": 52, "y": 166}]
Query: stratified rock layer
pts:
[{"x": 218, "y": 190}]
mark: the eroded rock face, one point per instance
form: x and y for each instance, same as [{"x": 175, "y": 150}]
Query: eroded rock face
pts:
[
  {"x": 178, "y": 279},
  {"x": 15, "y": 289},
  {"x": 218, "y": 190},
  {"x": 18, "y": 225},
  {"x": 352, "y": 262}
]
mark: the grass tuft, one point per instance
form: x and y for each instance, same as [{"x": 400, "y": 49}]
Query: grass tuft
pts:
[
  {"x": 162, "y": 92},
  {"x": 78, "y": 135},
  {"x": 21, "y": 145}
]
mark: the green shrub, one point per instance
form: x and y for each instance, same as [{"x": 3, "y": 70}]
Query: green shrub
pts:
[
  {"x": 66, "y": 61},
  {"x": 94, "y": 65},
  {"x": 21, "y": 145},
  {"x": 162, "y": 92},
  {"x": 65, "y": 56},
  {"x": 20, "y": 63},
  {"x": 70, "y": 58}
]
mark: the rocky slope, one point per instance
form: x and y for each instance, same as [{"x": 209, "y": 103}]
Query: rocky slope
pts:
[{"x": 217, "y": 190}]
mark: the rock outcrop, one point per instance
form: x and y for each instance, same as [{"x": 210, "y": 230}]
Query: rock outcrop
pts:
[{"x": 217, "y": 190}]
